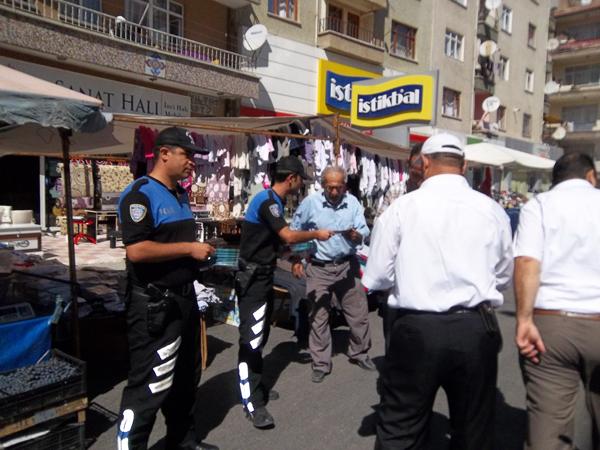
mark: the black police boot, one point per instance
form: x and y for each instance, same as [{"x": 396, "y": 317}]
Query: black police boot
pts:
[{"x": 261, "y": 418}]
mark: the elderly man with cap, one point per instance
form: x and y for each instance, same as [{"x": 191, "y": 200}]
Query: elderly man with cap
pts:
[
  {"x": 263, "y": 229},
  {"x": 333, "y": 272},
  {"x": 557, "y": 290},
  {"x": 444, "y": 250},
  {"x": 159, "y": 233}
]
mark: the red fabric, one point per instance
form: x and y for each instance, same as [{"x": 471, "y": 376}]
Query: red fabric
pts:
[{"x": 486, "y": 185}]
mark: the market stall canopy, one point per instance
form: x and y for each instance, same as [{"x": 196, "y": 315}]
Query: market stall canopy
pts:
[
  {"x": 25, "y": 99},
  {"x": 528, "y": 160},
  {"x": 488, "y": 154},
  {"x": 118, "y": 136}
]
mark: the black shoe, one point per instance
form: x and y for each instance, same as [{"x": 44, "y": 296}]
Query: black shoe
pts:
[
  {"x": 317, "y": 376},
  {"x": 261, "y": 418},
  {"x": 273, "y": 395},
  {"x": 365, "y": 364}
]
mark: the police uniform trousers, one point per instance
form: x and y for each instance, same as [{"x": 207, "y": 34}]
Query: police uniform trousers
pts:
[
  {"x": 255, "y": 302},
  {"x": 572, "y": 356},
  {"x": 341, "y": 282},
  {"x": 432, "y": 350},
  {"x": 164, "y": 372}
]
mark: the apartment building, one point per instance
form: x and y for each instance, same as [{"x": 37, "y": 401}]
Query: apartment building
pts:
[
  {"x": 387, "y": 38},
  {"x": 575, "y": 98},
  {"x": 157, "y": 57},
  {"x": 515, "y": 73}
]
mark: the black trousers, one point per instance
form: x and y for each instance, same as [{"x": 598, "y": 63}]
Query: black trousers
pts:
[
  {"x": 164, "y": 373},
  {"x": 256, "y": 305},
  {"x": 428, "y": 351}
]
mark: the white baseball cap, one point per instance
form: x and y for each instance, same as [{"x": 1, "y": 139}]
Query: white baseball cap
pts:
[{"x": 443, "y": 143}]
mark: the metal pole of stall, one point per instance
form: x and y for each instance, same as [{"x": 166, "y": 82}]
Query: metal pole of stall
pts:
[
  {"x": 64, "y": 135},
  {"x": 336, "y": 126}
]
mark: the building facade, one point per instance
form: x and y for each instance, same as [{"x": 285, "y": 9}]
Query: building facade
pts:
[
  {"x": 575, "y": 98},
  {"x": 388, "y": 38}
]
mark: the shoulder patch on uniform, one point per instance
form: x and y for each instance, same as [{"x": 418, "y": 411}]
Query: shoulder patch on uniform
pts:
[
  {"x": 275, "y": 210},
  {"x": 137, "y": 212}
]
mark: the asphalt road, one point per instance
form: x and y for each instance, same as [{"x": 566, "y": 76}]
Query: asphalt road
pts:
[{"x": 336, "y": 414}]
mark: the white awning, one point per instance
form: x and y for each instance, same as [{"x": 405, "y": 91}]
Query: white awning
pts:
[{"x": 488, "y": 154}]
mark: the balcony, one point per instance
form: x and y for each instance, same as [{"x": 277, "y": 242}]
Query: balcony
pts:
[
  {"x": 346, "y": 38},
  {"x": 576, "y": 93},
  {"x": 577, "y": 50},
  {"x": 487, "y": 25},
  {"x": 364, "y": 5},
  {"x": 88, "y": 37},
  {"x": 235, "y": 4}
]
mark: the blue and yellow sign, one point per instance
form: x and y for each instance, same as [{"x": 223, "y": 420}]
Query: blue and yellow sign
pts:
[
  {"x": 335, "y": 86},
  {"x": 392, "y": 101}
]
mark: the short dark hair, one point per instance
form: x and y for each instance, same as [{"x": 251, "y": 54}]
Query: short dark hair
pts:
[
  {"x": 156, "y": 150},
  {"x": 415, "y": 150},
  {"x": 448, "y": 159},
  {"x": 280, "y": 177},
  {"x": 572, "y": 165}
]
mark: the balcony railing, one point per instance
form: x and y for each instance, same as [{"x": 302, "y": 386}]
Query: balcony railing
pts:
[
  {"x": 350, "y": 30},
  {"x": 121, "y": 29}
]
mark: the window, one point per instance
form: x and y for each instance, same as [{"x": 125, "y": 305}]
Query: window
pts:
[
  {"x": 162, "y": 15},
  {"x": 284, "y": 8},
  {"x": 353, "y": 25},
  {"x": 501, "y": 118},
  {"x": 503, "y": 68},
  {"x": 583, "y": 75},
  {"x": 584, "y": 31},
  {"x": 83, "y": 14},
  {"x": 451, "y": 103},
  {"x": 528, "y": 80},
  {"x": 526, "y": 125},
  {"x": 461, "y": 2},
  {"x": 506, "y": 19},
  {"x": 454, "y": 45},
  {"x": 531, "y": 36},
  {"x": 403, "y": 40},
  {"x": 580, "y": 118},
  {"x": 335, "y": 19}
]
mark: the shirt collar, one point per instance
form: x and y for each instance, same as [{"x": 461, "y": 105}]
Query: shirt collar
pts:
[
  {"x": 575, "y": 182},
  {"x": 445, "y": 179},
  {"x": 327, "y": 204}
]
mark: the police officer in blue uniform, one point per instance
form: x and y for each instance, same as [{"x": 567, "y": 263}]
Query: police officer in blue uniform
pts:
[
  {"x": 163, "y": 257},
  {"x": 263, "y": 229}
]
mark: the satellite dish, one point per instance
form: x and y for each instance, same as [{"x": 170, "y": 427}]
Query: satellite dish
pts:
[
  {"x": 552, "y": 44},
  {"x": 559, "y": 133},
  {"x": 492, "y": 4},
  {"x": 488, "y": 48},
  {"x": 255, "y": 37},
  {"x": 491, "y": 104},
  {"x": 120, "y": 19},
  {"x": 551, "y": 87}
]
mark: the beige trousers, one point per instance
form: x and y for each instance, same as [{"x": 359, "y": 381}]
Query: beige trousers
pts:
[{"x": 572, "y": 354}]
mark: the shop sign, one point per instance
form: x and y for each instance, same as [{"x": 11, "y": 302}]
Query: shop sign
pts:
[
  {"x": 204, "y": 105},
  {"x": 117, "y": 97},
  {"x": 335, "y": 86},
  {"x": 392, "y": 101}
]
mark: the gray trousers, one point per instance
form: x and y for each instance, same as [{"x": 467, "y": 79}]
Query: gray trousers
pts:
[
  {"x": 572, "y": 354},
  {"x": 341, "y": 283}
]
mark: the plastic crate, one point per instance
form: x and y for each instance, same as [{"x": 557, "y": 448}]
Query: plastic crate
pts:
[
  {"x": 66, "y": 437},
  {"x": 17, "y": 406}
]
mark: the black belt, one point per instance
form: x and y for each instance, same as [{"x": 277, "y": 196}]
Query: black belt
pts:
[
  {"x": 454, "y": 310},
  {"x": 183, "y": 289},
  {"x": 331, "y": 262},
  {"x": 259, "y": 269}
]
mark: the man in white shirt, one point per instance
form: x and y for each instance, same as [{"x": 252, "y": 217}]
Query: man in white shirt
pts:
[
  {"x": 444, "y": 250},
  {"x": 557, "y": 289}
]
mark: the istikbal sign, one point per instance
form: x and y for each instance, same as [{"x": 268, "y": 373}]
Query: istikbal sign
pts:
[{"x": 394, "y": 101}]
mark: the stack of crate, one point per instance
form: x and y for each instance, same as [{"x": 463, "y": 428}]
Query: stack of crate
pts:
[{"x": 42, "y": 406}]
